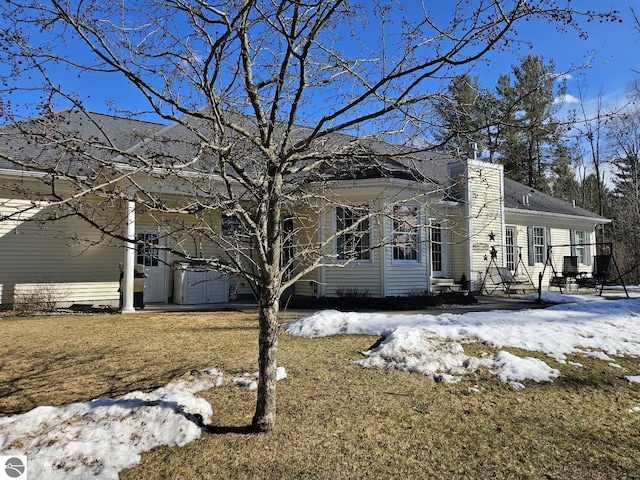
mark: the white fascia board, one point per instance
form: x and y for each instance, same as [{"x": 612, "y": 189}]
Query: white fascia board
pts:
[
  {"x": 12, "y": 173},
  {"x": 380, "y": 183},
  {"x": 528, "y": 216},
  {"x": 165, "y": 171}
]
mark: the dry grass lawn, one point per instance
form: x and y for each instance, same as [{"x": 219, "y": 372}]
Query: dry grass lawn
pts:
[{"x": 336, "y": 419}]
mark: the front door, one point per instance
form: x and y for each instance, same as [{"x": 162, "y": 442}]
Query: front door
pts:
[{"x": 152, "y": 259}]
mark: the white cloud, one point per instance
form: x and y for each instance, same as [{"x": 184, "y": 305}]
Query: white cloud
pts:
[
  {"x": 567, "y": 98},
  {"x": 561, "y": 77}
]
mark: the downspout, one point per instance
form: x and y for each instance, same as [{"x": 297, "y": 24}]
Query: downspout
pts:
[
  {"x": 129, "y": 259},
  {"x": 383, "y": 252},
  {"x": 469, "y": 231},
  {"x": 504, "y": 222},
  {"x": 322, "y": 270},
  {"x": 428, "y": 253}
]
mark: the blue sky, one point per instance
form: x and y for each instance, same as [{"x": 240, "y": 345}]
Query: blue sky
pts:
[{"x": 611, "y": 51}]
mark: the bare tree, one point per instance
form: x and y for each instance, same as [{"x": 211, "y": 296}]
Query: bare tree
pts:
[
  {"x": 590, "y": 128},
  {"x": 237, "y": 79},
  {"x": 623, "y": 136}
]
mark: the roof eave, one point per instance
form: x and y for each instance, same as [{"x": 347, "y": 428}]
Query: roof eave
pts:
[{"x": 597, "y": 220}]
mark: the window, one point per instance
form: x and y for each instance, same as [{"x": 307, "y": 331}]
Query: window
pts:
[
  {"x": 580, "y": 246},
  {"x": 288, "y": 247},
  {"x": 539, "y": 245},
  {"x": 233, "y": 230},
  {"x": 147, "y": 253},
  {"x": 538, "y": 240},
  {"x": 355, "y": 241},
  {"x": 510, "y": 248},
  {"x": 436, "y": 248},
  {"x": 406, "y": 234}
]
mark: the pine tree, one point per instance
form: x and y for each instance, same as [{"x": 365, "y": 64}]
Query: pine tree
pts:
[
  {"x": 532, "y": 135},
  {"x": 467, "y": 115}
]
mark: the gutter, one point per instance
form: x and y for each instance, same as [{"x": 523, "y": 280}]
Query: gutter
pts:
[{"x": 597, "y": 220}]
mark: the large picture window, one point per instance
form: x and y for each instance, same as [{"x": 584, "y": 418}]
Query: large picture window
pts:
[
  {"x": 406, "y": 233},
  {"x": 354, "y": 243}
]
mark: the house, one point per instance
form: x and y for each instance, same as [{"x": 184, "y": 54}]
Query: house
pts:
[{"x": 440, "y": 218}]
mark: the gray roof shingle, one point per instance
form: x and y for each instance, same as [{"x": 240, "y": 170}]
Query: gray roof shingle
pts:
[
  {"x": 56, "y": 139},
  {"x": 373, "y": 158},
  {"x": 520, "y": 197}
]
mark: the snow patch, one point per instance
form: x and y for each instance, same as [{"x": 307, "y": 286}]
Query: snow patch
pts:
[
  {"x": 99, "y": 438},
  {"x": 430, "y": 344}
]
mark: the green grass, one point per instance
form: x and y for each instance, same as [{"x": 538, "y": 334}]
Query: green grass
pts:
[{"x": 336, "y": 420}]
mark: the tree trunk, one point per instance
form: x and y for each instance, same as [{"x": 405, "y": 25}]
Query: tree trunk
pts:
[{"x": 264, "y": 418}]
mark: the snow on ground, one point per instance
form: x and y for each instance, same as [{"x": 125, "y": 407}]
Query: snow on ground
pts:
[
  {"x": 433, "y": 345},
  {"x": 99, "y": 438}
]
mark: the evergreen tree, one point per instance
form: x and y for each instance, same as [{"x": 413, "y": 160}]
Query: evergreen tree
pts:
[
  {"x": 562, "y": 181},
  {"x": 588, "y": 193},
  {"x": 515, "y": 125},
  {"x": 532, "y": 134},
  {"x": 467, "y": 117}
]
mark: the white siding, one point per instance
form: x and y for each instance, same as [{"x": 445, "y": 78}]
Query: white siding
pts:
[
  {"x": 66, "y": 294},
  {"x": 485, "y": 195},
  {"x": 459, "y": 245},
  {"x": 405, "y": 279},
  {"x": 67, "y": 251},
  {"x": 363, "y": 277},
  {"x": 560, "y": 239}
]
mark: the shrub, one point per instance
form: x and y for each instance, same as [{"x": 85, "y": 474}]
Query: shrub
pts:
[
  {"x": 387, "y": 303},
  {"x": 38, "y": 298},
  {"x": 352, "y": 292}
]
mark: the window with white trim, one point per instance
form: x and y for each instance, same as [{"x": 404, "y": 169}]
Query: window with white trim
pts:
[
  {"x": 579, "y": 241},
  {"x": 437, "y": 264},
  {"x": 538, "y": 239},
  {"x": 354, "y": 243},
  {"x": 580, "y": 246},
  {"x": 288, "y": 247},
  {"x": 539, "y": 244},
  {"x": 406, "y": 233},
  {"x": 147, "y": 251},
  {"x": 510, "y": 248}
]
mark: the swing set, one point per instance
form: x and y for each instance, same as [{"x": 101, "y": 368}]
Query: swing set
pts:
[
  {"x": 503, "y": 277},
  {"x": 573, "y": 274}
]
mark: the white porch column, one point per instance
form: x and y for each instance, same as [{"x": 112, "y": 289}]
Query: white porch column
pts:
[{"x": 129, "y": 259}]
